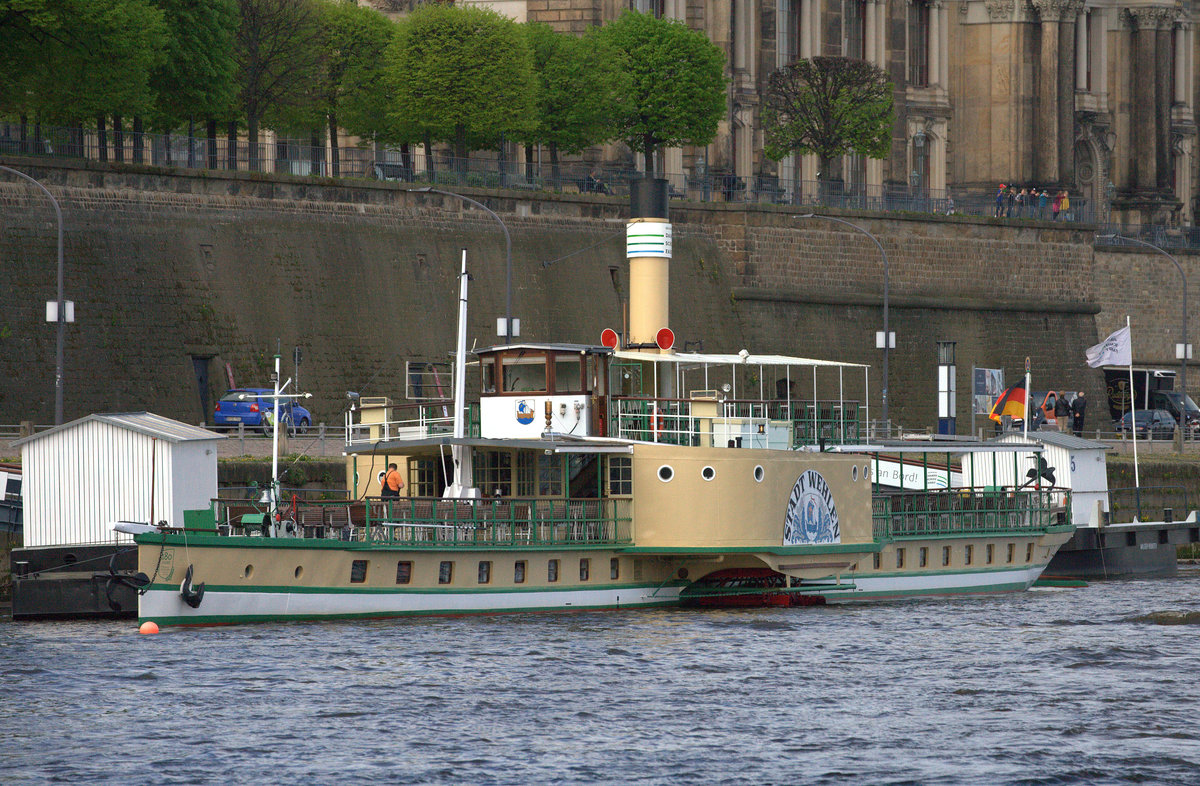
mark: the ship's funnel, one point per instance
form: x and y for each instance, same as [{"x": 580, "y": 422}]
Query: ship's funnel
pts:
[{"x": 648, "y": 248}]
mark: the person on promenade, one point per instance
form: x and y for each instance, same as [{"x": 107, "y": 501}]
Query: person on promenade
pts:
[
  {"x": 1010, "y": 198},
  {"x": 1078, "y": 409},
  {"x": 1043, "y": 200},
  {"x": 1022, "y": 200},
  {"x": 1064, "y": 206},
  {"x": 1056, "y": 206},
  {"x": 392, "y": 482},
  {"x": 1000, "y": 202},
  {"x": 1062, "y": 412}
]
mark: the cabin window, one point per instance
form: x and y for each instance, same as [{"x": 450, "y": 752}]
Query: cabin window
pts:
[
  {"x": 991, "y": 553},
  {"x": 708, "y": 473},
  {"x": 549, "y": 475},
  {"x": 620, "y": 475},
  {"x": 584, "y": 568},
  {"x": 526, "y": 473},
  {"x": 524, "y": 373},
  {"x": 924, "y": 556},
  {"x": 519, "y": 572},
  {"x": 968, "y": 554},
  {"x": 568, "y": 374},
  {"x": 403, "y": 572},
  {"x": 614, "y": 568},
  {"x": 358, "y": 571},
  {"x": 1012, "y": 548},
  {"x": 485, "y": 572},
  {"x": 759, "y": 474},
  {"x": 899, "y": 558},
  {"x": 875, "y": 561},
  {"x": 1029, "y": 552},
  {"x": 552, "y": 570},
  {"x": 445, "y": 572},
  {"x": 945, "y": 555},
  {"x": 665, "y": 473},
  {"x": 493, "y": 472},
  {"x": 854, "y": 474},
  {"x": 487, "y": 379},
  {"x": 422, "y": 478}
]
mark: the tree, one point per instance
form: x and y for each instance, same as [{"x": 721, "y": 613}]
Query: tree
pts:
[
  {"x": 461, "y": 75},
  {"x": 582, "y": 90},
  {"x": 676, "y": 82},
  {"x": 197, "y": 77},
  {"x": 353, "y": 42},
  {"x": 830, "y": 106},
  {"x": 278, "y": 55}
]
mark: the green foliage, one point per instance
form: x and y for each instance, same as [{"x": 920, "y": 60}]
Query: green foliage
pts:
[
  {"x": 196, "y": 79},
  {"x": 354, "y": 41},
  {"x": 582, "y": 88},
  {"x": 829, "y": 106},
  {"x": 676, "y": 83},
  {"x": 461, "y": 75},
  {"x": 64, "y": 60}
]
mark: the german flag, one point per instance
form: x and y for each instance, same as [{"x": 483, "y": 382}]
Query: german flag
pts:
[{"x": 1011, "y": 403}]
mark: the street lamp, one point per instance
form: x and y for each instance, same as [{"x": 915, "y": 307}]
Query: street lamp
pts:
[
  {"x": 886, "y": 340},
  {"x": 1182, "y": 350},
  {"x": 508, "y": 323},
  {"x": 61, "y": 316}
]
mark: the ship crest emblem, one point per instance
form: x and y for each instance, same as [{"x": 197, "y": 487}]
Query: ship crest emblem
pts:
[
  {"x": 811, "y": 513},
  {"x": 524, "y": 412}
]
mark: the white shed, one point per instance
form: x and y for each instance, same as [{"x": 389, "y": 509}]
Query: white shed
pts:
[
  {"x": 82, "y": 476},
  {"x": 1078, "y": 464}
]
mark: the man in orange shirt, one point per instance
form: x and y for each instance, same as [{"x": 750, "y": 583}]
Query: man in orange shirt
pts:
[{"x": 392, "y": 482}]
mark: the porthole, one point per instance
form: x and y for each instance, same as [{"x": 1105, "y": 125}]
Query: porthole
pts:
[
  {"x": 299, "y": 571},
  {"x": 759, "y": 473},
  {"x": 708, "y": 473},
  {"x": 866, "y": 471},
  {"x": 854, "y": 474},
  {"x": 247, "y": 571},
  {"x": 665, "y": 473}
]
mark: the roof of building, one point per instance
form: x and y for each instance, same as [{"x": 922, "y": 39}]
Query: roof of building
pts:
[
  {"x": 142, "y": 422},
  {"x": 1058, "y": 439}
]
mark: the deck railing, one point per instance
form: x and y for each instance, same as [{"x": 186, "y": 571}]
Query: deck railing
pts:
[
  {"x": 740, "y": 423},
  {"x": 969, "y": 512}
]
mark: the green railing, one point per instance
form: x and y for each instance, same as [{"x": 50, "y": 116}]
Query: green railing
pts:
[
  {"x": 969, "y": 512},
  {"x": 502, "y": 522},
  {"x": 671, "y": 421}
]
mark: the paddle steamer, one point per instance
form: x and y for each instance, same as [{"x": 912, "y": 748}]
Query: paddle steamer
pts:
[{"x": 618, "y": 475}]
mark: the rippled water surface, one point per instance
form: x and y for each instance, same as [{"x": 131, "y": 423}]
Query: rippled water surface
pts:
[{"x": 1094, "y": 685}]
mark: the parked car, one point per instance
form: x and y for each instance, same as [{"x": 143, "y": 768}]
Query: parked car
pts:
[
  {"x": 246, "y": 406},
  {"x": 1181, "y": 407},
  {"x": 299, "y": 418},
  {"x": 1150, "y": 424},
  {"x": 1043, "y": 400}
]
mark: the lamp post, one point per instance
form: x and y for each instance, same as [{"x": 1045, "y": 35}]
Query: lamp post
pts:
[
  {"x": 1183, "y": 347},
  {"x": 508, "y": 323},
  {"x": 886, "y": 342},
  {"x": 61, "y": 310}
]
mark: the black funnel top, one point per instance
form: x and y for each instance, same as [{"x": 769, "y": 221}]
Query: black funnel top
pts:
[{"x": 648, "y": 198}]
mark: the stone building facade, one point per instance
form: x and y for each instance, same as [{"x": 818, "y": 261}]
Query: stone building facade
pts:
[{"x": 1094, "y": 96}]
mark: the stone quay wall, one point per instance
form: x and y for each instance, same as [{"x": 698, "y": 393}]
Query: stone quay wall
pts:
[{"x": 169, "y": 267}]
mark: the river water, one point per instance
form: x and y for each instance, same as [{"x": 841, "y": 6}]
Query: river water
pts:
[{"x": 1092, "y": 685}]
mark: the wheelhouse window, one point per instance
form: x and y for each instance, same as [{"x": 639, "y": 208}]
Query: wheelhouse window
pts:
[
  {"x": 568, "y": 373},
  {"x": 524, "y": 371}
]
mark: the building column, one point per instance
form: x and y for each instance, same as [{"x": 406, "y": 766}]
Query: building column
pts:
[
  {"x": 935, "y": 42},
  {"x": 1180, "y": 64},
  {"x": 1100, "y": 66},
  {"x": 1144, "y": 124},
  {"x": 881, "y": 13},
  {"x": 869, "y": 32},
  {"x": 1045, "y": 114},
  {"x": 1081, "y": 53},
  {"x": 804, "y": 45},
  {"x": 1162, "y": 97},
  {"x": 1065, "y": 103}
]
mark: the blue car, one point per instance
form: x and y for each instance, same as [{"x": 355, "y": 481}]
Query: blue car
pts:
[
  {"x": 298, "y": 418},
  {"x": 250, "y": 407}
]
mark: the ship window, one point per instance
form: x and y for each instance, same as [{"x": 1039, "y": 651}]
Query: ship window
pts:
[
  {"x": 968, "y": 554},
  {"x": 485, "y": 572},
  {"x": 1012, "y": 547},
  {"x": 945, "y": 555},
  {"x": 526, "y": 472},
  {"x": 445, "y": 572},
  {"x": 924, "y": 556},
  {"x": 854, "y": 474},
  {"x": 614, "y": 568},
  {"x": 422, "y": 478},
  {"x": 620, "y": 475},
  {"x": 552, "y": 570},
  {"x": 708, "y": 473},
  {"x": 991, "y": 553},
  {"x": 584, "y": 569},
  {"x": 403, "y": 572},
  {"x": 487, "y": 383},
  {"x": 759, "y": 474},
  {"x": 299, "y": 571},
  {"x": 549, "y": 475},
  {"x": 665, "y": 473},
  {"x": 358, "y": 571},
  {"x": 524, "y": 373},
  {"x": 519, "y": 572},
  {"x": 1029, "y": 552},
  {"x": 876, "y": 560},
  {"x": 247, "y": 571},
  {"x": 568, "y": 374},
  {"x": 899, "y": 558},
  {"x": 493, "y": 472}
]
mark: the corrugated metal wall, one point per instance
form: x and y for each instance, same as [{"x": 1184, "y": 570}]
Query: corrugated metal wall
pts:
[{"x": 80, "y": 480}]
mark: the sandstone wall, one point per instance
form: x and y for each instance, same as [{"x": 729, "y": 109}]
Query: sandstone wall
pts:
[{"x": 164, "y": 267}]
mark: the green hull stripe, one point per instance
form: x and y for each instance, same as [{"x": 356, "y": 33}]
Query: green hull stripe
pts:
[
  {"x": 403, "y": 590},
  {"x": 318, "y": 544}
]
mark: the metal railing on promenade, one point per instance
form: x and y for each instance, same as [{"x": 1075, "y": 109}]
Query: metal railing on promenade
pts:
[{"x": 302, "y": 158}]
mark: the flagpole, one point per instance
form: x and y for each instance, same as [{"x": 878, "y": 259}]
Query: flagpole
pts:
[
  {"x": 1133, "y": 416},
  {"x": 1025, "y": 422}
]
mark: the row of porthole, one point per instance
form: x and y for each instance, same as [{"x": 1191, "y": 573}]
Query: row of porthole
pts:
[{"x": 666, "y": 473}]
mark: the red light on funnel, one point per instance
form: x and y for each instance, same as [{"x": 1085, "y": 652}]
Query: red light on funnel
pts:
[
  {"x": 665, "y": 338},
  {"x": 609, "y": 338}
]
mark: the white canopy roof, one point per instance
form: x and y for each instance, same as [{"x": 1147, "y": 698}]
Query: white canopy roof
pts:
[{"x": 701, "y": 358}]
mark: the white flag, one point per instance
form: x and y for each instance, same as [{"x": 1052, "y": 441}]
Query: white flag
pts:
[{"x": 1116, "y": 350}]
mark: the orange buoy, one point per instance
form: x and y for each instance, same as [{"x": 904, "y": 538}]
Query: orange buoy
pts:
[{"x": 148, "y": 627}]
